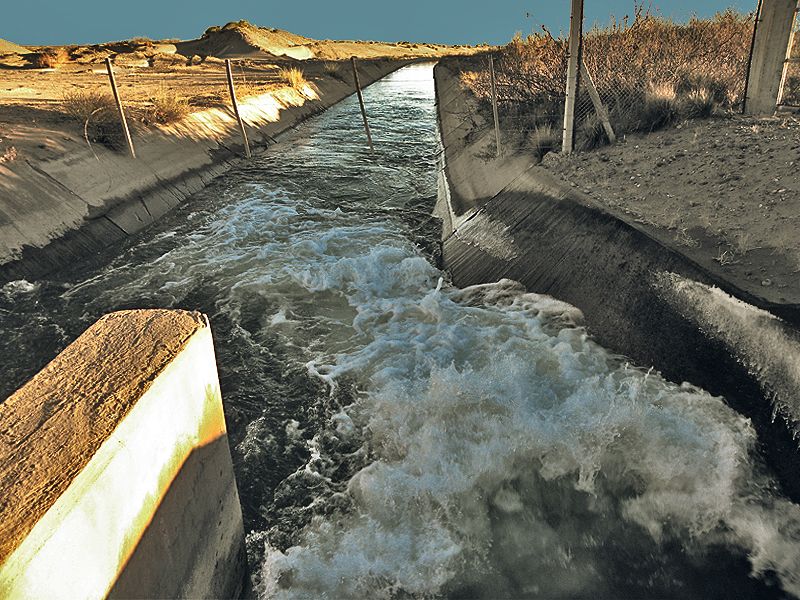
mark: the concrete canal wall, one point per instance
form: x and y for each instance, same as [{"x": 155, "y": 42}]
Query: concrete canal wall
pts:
[
  {"x": 115, "y": 469},
  {"x": 56, "y": 212},
  {"x": 508, "y": 218}
]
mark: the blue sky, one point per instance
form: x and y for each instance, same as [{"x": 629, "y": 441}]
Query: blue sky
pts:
[{"x": 447, "y": 21}]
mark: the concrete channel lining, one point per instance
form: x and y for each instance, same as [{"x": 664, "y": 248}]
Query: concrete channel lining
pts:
[
  {"x": 115, "y": 470},
  {"x": 640, "y": 298},
  {"x": 54, "y": 213}
]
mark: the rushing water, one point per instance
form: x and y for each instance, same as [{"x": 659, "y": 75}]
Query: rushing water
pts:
[{"x": 396, "y": 437}]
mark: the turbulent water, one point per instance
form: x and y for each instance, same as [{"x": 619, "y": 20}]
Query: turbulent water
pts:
[{"x": 396, "y": 437}]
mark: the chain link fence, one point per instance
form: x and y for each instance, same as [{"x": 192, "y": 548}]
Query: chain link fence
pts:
[{"x": 649, "y": 72}]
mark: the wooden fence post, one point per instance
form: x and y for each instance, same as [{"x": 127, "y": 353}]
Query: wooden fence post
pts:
[
  {"x": 601, "y": 111},
  {"x": 494, "y": 105},
  {"x": 122, "y": 118},
  {"x": 232, "y": 90},
  {"x": 361, "y": 102},
  {"x": 573, "y": 74}
]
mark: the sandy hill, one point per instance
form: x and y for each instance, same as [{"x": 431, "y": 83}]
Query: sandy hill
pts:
[
  {"x": 7, "y": 47},
  {"x": 243, "y": 39}
]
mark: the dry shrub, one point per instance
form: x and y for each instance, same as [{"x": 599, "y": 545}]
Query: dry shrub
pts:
[
  {"x": 592, "y": 134},
  {"x": 48, "y": 58},
  {"x": 166, "y": 107},
  {"x": 698, "y": 104},
  {"x": 294, "y": 77},
  {"x": 334, "y": 69},
  {"x": 96, "y": 111},
  {"x": 629, "y": 60},
  {"x": 659, "y": 109},
  {"x": 544, "y": 138},
  {"x": 88, "y": 104}
]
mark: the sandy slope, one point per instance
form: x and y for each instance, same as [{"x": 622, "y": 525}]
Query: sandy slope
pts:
[
  {"x": 9, "y": 47},
  {"x": 726, "y": 191}
]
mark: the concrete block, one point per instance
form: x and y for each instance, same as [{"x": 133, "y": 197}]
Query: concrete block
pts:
[{"x": 115, "y": 470}]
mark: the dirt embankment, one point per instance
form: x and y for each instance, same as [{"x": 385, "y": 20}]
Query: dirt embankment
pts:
[{"x": 723, "y": 191}]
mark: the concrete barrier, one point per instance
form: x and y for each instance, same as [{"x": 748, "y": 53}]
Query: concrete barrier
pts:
[
  {"x": 640, "y": 298},
  {"x": 115, "y": 473}
]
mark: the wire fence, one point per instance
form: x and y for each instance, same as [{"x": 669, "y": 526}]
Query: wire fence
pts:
[
  {"x": 166, "y": 92},
  {"x": 648, "y": 72}
]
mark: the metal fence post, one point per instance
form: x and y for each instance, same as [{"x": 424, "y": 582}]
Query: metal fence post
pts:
[
  {"x": 361, "y": 102},
  {"x": 602, "y": 112},
  {"x": 232, "y": 90},
  {"x": 494, "y": 106},
  {"x": 573, "y": 74},
  {"x": 122, "y": 118}
]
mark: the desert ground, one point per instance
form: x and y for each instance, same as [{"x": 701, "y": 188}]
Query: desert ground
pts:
[
  {"x": 184, "y": 75},
  {"x": 724, "y": 190}
]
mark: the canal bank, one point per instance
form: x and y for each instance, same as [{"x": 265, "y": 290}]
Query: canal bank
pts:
[
  {"x": 59, "y": 211},
  {"x": 509, "y": 218}
]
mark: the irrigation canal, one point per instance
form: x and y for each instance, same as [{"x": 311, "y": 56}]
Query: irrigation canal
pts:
[{"x": 394, "y": 436}]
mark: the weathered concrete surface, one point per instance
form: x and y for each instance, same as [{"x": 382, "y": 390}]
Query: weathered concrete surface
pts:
[
  {"x": 115, "y": 471},
  {"x": 770, "y": 50},
  {"x": 551, "y": 238},
  {"x": 56, "y": 212}
]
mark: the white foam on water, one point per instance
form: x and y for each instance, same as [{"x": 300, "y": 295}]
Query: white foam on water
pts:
[
  {"x": 506, "y": 446},
  {"x": 766, "y": 345},
  {"x": 502, "y": 435},
  {"x": 18, "y": 287}
]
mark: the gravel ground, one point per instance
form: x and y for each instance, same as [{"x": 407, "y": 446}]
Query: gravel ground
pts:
[{"x": 725, "y": 191}]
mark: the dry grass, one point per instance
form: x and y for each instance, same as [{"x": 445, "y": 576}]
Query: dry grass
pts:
[
  {"x": 48, "y": 58},
  {"x": 698, "y": 104},
  {"x": 88, "y": 104},
  {"x": 294, "y": 77},
  {"x": 544, "y": 138},
  {"x": 592, "y": 134},
  {"x": 166, "y": 107},
  {"x": 97, "y": 112},
  {"x": 701, "y": 63},
  {"x": 8, "y": 155},
  {"x": 335, "y": 70}
]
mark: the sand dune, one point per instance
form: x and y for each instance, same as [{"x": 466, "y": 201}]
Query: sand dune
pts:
[
  {"x": 238, "y": 39},
  {"x": 241, "y": 39},
  {"x": 7, "y": 47}
]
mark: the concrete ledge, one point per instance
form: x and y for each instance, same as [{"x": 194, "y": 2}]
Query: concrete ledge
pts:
[
  {"x": 640, "y": 298},
  {"x": 56, "y": 212},
  {"x": 115, "y": 471}
]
